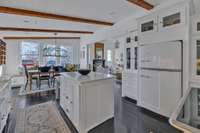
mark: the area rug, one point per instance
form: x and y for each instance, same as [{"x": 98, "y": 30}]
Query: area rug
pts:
[
  {"x": 34, "y": 90},
  {"x": 41, "y": 118}
]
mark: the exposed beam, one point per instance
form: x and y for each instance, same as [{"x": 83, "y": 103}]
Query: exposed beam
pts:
[
  {"x": 44, "y": 30},
  {"x": 142, "y": 4},
  {"x": 24, "y": 12},
  {"x": 23, "y": 37}
]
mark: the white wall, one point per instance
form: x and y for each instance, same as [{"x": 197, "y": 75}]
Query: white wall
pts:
[{"x": 13, "y": 61}]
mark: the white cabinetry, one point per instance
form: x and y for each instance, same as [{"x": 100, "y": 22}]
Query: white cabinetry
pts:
[
  {"x": 164, "y": 25},
  {"x": 87, "y": 104},
  {"x": 160, "y": 91},
  {"x": 195, "y": 49},
  {"x": 130, "y": 85},
  {"x": 148, "y": 24},
  {"x": 130, "y": 72},
  {"x": 172, "y": 19},
  {"x": 196, "y": 25},
  {"x": 5, "y": 105}
]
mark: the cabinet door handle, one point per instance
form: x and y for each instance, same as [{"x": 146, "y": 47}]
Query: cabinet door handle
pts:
[
  {"x": 67, "y": 97},
  {"x": 145, "y": 76},
  {"x": 146, "y": 61}
]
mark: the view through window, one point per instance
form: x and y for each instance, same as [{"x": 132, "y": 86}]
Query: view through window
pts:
[
  {"x": 32, "y": 53},
  {"x": 29, "y": 53}
]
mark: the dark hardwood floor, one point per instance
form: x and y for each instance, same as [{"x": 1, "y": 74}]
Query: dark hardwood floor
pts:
[{"x": 128, "y": 118}]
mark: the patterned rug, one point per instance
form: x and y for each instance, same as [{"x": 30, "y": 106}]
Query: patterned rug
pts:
[
  {"x": 34, "y": 90},
  {"x": 41, "y": 118}
]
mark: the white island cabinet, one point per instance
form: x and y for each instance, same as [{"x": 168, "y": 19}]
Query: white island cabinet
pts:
[{"x": 87, "y": 100}]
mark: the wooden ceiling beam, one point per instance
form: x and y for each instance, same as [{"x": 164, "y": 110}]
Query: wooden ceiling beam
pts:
[
  {"x": 24, "y": 12},
  {"x": 23, "y": 37},
  {"x": 142, "y": 4},
  {"x": 44, "y": 30}
]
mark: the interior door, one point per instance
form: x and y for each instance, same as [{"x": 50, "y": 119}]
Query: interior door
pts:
[{"x": 167, "y": 55}]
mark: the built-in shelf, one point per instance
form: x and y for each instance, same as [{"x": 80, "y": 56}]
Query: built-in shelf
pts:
[{"x": 2, "y": 52}]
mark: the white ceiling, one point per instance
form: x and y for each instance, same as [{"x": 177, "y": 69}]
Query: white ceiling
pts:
[{"x": 104, "y": 10}]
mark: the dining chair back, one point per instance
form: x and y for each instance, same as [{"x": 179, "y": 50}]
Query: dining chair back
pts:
[
  {"x": 27, "y": 77},
  {"x": 44, "y": 75},
  {"x": 44, "y": 69},
  {"x": 26, "y": 71}
]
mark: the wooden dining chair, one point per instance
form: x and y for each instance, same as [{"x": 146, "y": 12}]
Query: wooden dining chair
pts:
[
  {"x": 57, "y": 71},
  {"x": 27, "y": 77},
  {"x": 44, "y": 75}
]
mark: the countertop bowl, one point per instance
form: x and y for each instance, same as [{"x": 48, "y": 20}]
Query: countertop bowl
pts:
[{"x": 84, "y": 71}]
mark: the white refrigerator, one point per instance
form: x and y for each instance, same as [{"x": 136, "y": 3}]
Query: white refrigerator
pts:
[{"x": 160, "y": 77}]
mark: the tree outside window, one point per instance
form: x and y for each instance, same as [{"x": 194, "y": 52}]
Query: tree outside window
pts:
[{"x": 30, "y": 53}]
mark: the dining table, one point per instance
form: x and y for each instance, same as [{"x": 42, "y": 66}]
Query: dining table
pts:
[{"x": 36, "y": 73}]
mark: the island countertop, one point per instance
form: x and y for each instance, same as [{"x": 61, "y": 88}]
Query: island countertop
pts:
[
  {"x": 4, "y": 80},
  {"x": 93, "y": 76}
]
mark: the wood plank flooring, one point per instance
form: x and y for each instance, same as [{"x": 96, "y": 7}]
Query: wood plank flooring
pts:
[{"x": 128, "y": 117}]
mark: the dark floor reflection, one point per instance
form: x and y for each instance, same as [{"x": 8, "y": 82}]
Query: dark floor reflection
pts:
[{"x": 131, "y": 119}]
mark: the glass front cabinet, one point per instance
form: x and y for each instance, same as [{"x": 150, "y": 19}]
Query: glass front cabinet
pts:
[
  {"x": 148, "y": 24},
  {"x": 196, "y": 25},
  {"x": 196, "y": 58},
  {"x": 173, "y": 18}
]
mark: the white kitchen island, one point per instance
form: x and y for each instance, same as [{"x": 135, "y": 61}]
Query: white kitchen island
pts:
[{"x": 87, "y": 100}]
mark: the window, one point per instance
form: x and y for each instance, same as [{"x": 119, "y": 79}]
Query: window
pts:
[
  {"x": 57, "y": 55},
  {"x": 49, "y": 55},
  {"x": 109, "y": 55},
  {"x": 30, "y": 53},
  {"x": 66, "y": 55}
]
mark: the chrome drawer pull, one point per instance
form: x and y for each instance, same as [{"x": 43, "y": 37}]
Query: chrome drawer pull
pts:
[
  {"x": 146, "y": 61},
  {"x": 145, "y": 76}
]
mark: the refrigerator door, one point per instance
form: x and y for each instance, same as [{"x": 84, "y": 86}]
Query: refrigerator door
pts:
[
  {"x": 160, "y": 90},
  {"x": 166, "y": 55}
]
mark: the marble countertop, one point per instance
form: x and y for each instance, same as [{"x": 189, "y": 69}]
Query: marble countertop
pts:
[
  {"x": 4, "y": 80},
  {"x": 93, "y": 76}
]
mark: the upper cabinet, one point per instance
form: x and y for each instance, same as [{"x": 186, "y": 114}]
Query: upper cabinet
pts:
[
  {"x": 172, "y": 19},
  {"x": 196, "y": 25},
  {"x": 195, "y": 47},
  {"x": 195, "y": 58},
  {"x": 148, "y": 24},
  {"x": 164, "y": 25}
]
